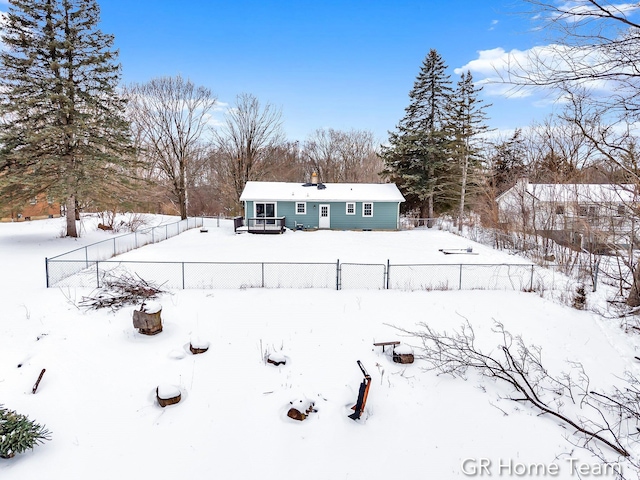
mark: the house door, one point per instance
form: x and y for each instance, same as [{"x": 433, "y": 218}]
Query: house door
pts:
[{"x": 325, "y": 217}]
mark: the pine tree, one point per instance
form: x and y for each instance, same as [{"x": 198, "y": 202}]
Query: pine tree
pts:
[
  {"x": 507, "y": 162},
  {"x": 64, "y": 132},
  {"x": 466, "y": 122},
  {"x": 416, "y": 153}
]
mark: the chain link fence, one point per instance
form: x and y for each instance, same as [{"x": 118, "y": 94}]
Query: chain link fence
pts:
[
  {"x": 238, "y": 275},
  {"x": 77, "y": 261},
  {"x": 88, "y": 266}
]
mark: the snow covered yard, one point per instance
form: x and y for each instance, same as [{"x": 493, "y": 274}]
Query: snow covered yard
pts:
[{"x": 98, "y": 393}]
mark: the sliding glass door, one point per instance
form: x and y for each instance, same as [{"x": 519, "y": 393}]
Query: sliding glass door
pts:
[{"x": 266, "y": 210}]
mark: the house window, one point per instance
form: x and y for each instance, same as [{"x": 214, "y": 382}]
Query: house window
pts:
[
  {"x": 582, "y": 210},
  {"x": 559, "y": 209},
  {"x": 301, "y": 208},
  {"x": 351, "y": 208},
  {"x": 267, "y": 210},
  {"x": 621, "y": 210},
  {"x": 367, "y": 209},
  {"x": 593, "y": 211},
  {"x": 33, "y": 201}
]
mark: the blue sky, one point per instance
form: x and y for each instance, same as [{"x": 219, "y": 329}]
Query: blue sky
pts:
[{"x": 339, "y": 64}]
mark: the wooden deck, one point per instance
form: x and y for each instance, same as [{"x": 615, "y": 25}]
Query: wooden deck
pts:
[{"x": 265, "y": 225}]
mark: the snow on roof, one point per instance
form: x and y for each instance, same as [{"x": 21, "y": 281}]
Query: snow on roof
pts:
[
  {"x": 333, "y": 192},
  {"x": 582, "y": 192},
  {"x": 574, "y": 192}
]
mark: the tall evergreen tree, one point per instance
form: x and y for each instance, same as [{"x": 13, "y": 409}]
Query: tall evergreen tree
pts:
[
  {"x": 467, "y": 119},
  {"x": 63, "y": 128},
  {"x": 416, "y": 153}
]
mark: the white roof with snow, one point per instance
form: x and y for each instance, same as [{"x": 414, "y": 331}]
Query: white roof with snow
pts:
[
  {"x": 575, "y": 192},
  {"x": 333, "y": 192}
]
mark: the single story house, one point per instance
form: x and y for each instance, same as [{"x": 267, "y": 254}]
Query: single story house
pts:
[
  {"x": 270, "y": 206},
  {"x": 580, "y": 215},
  {"x": 38, "y": 208}
]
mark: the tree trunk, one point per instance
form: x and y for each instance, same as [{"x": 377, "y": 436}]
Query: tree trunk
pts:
[
  {"x": 430, "y": 212},
  {"x": 633, "y": 300},
  {"x": 183, "y": 188},
  {"x": 463, "y": 189},
  {"x": 183, "y": 205},
  {"x": 72, "y": 231}
]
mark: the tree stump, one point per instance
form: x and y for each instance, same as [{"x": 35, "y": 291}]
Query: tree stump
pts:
[
  {"x": 296, "y": 414},
  {"x": 402, "y": 354},
  {"x": 168, "y": 395},
  {"x": 198, "y": 346},
  {"x": 300, "y": 409},
  {"x": 147, "y": 320},
  {"x": 276, "y": 359}
]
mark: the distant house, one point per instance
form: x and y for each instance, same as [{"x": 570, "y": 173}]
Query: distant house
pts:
[
  {"x": 272, "y": 206},
  {"x": 38, "y": 208},
  {"x": 590, "y": 216}
]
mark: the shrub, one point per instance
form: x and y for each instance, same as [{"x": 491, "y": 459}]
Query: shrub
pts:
[
  {"x": 580, "y": 298},
  {"x": 18, "y": 433}
]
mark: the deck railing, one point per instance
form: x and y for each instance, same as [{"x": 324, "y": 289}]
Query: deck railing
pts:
[{"x": 265, "y": 224}]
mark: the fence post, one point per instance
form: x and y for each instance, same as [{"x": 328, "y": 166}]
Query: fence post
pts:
[
  {"x": 153, "y": 238},
  {"x": 97, "y": 274},
  {"x": 183, "y": 275},
  {"x": 531, "y": 286},
  {"x": 388, "y": 269},
  {"x": 338, "y": 274},
  {"x": 262, "y": 264},
  {"x": 135, "y": 239},
  {"x": 114, "y": 247},
  {"x": 86, "y": 258},
  {"x": 46, "y": 269},
  {"x": 460, "y": 280}
]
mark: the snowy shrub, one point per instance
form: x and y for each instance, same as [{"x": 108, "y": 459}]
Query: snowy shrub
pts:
[
  {"x": 580, "y": 298},
  {"x": 18, "y": 433}
]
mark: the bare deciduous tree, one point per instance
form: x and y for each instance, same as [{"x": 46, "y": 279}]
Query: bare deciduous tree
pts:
[
  {"x": 592, "y": 62},
  {"x": 597, "y": 418},
  {"x": 170, "y": 115},
  {"x": 248, "y": 142},
  {"x": 593, "y": 46},
  {"x": 339, "y": 156}
]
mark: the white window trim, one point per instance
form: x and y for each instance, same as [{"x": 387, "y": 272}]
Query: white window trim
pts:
[
  {"x": 364, "y": 209},
  {"x": 347, "y": 208},
  {"x": 275, "y": 208},
  {"x": 304, "y": 208}
]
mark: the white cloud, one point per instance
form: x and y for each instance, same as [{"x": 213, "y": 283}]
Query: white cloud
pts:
[
  {"x": 503, "y": 73},
  {"x": 492, "y": 68},
  {"x": 574, "y": 10},
  {"x": 493, "y": 24}
]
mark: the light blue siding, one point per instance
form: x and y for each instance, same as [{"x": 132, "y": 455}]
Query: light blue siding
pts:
[{"x": 385, "y": 215}]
